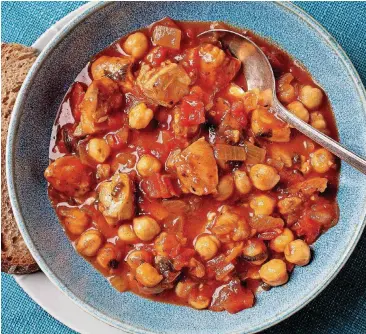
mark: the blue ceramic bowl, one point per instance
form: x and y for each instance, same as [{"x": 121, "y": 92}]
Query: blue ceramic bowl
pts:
[{"x": 27, "y": 158}]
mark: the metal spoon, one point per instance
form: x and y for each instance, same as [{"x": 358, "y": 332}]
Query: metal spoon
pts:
[{"x": 259, "y": 74}]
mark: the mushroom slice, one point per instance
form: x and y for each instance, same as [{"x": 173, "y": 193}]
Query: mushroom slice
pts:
[{"x": 116, "y": 200}]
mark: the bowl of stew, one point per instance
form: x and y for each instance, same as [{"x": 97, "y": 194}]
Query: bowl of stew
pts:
[{"x": 170, "y": 198}]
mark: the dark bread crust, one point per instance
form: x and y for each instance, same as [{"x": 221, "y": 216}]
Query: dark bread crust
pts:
[{"x": 16, "y": 60}]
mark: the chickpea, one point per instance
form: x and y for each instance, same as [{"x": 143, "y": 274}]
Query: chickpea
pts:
[
  {"x": 136, "y": 45},
  {"x": 146, "y": 228},
  {"x": 265, "y": 97},
  {"x": 199, "y": 302},
  {"x": 236, "y": 91},
  {"x": 311, "y": 97},
  {"x": 120, "y": 283},
  {"x": 126, "y": 233},
  {"x": 183, "y": 289},
  {"x": 262, "y": 205},
  {"x": 76, "y": 221},
  {"x": 108, "y": 256},
  {"x": 286, "y": 93},
  {"x": 98, "y": 149},
  {"x": 264, "y": 177},
  {"x": 274, "y": 272},
  {"x": 225, "y": 188},
  {"x": 321, "y": 160},
  {"x": 255, "y": 251},
  {"x": 147, "y": 275},
  {"x": 279, "y": 243},
  {"x": 298, "y": 109},
  {"x": 242, "y": 182},
  {"x": 298, "y": 252},
  {"x": 317, "y": 121},
  {"x": 138, "y": 257},
  {"x": 148, "y": 165},
  {"x": 207, "y": 246},
  {"x": 140, "y": 116},
  {"x": 89, "y": 243}
]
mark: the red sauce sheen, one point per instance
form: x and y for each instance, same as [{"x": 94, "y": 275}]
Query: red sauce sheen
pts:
[{"x": 177, "y": 183}]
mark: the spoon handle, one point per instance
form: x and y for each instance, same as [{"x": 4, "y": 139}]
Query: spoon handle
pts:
[{"x": 320, "y": 138}]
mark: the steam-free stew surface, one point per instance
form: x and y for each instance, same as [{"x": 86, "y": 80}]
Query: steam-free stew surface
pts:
[{"x": 177, "y": 183}]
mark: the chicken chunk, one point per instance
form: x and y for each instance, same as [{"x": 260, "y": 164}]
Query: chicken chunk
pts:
[
  {"x": 101, "y": 98},
  {"x": 197, "y": 169},
  {"x": 164, "y": 85},
  {"x": 116, "y": 200},
  {"x": 217, "y": 68},
  {"x": 115, "y": 68},
  {"x": 265, "y": 124},
  {"x": 179, "y": 129},
  {"x": 69, "y": 176}
]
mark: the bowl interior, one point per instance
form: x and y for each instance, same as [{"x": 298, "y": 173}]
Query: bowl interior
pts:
[{"x": 28, "y": 157}]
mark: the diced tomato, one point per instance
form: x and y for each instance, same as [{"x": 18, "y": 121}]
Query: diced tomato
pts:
[
  {"x": 192, "y": 111},
  {"x": 318, "y": 217},
  {"x": 190, "y": 63},
  {"x": 227, "y": 71},
  {"x": 116, "y": 121},
  {"x": 276, "y": 60},
  {"x": 190, "y": 33},
  {"x": 157, "y": 56},
  {"x": 162, "y": 115},
  {"x": 307, "y": 228},
  {"x": 160, "y": 186},
  {"x": 238, "y": 111},
  {"x": 116, "y": 101},
  {"x": 154, "y": 208},
  {"x": 182, "y": 259},
  {"x": 66, "y": 142},
  {"x": 119, "y": 139},
  {"x": 290, "y": 177},
  {"x": 77, "y": 95},
  {"x": 239, "y": 301},
  {"x": 233, "y": 298}
]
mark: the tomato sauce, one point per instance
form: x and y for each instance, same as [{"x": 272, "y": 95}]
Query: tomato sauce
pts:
[{"x": 228, "y": 280}]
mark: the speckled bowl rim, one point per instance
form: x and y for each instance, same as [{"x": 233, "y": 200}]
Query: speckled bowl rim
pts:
[{"x": 13, "y": 130}]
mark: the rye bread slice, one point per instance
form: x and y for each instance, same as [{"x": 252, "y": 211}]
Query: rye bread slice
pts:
[{"x": 16, "y": 60}]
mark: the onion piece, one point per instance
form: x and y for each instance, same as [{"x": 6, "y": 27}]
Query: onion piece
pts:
[
  {"x": 264, "y": 223},
  {"x": 255, "y": 154},
  {"x": 168, "y": 37},
  {"x": 310, "y": 186},
  {"x": 230, "y": 153},
  {"x": 175, "y": 206}
]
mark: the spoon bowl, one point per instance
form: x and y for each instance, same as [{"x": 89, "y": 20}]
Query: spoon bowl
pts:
[{"x": 259, "y": 74}]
